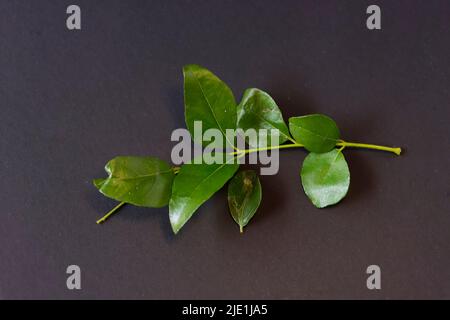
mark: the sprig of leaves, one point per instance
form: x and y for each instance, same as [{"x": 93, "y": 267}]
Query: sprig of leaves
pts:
[{"x": 151, "y": 182}]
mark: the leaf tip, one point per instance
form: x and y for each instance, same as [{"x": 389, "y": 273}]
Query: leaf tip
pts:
[
  {"x": 398, "y": 151},
  {"x": 98, "y": 182},
  {"x": 175, "y": 226}
]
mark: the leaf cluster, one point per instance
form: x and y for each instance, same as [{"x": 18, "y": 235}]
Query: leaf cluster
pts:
[{"x": 152, "y": 182}]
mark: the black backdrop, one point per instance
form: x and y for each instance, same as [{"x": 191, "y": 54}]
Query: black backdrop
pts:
[{"x": 72, "y": 100}]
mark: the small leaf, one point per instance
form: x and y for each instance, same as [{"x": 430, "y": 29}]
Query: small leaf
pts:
[
  {"x": 325, "y": 177},
  {"x": 258, "y": 110},
  {"x": 244, "y": 197},
  {"x": 209, "y": 100},
  {"x": 142, "y": 181},
  {"x": 317, "y": 132},
  {"x": 193, "y": 185}
]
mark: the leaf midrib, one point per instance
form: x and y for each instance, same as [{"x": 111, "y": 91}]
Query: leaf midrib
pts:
[
  {"x": 330, "y": 165},
  {"x": 265, "y": 120},
  {"x": 206, "y": 178},
  {"x": 316, "y": 134},
  {"x": 210, "y": 107},
  {"x": 241, "y": 210},
  {"x": 139, "y": 177}
]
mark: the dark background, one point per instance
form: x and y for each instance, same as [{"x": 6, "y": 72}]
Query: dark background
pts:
[{"x": 72, "y": 100}]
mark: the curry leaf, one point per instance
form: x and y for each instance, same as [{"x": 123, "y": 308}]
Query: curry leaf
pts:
[
  {"x": 193, "y": 185},
  {"x": 142, "y": 181},
  {"x": 244, "y": 197},
  {"x": 317, "y": 132},
  {"x": 209, "y": 100},
  {"x": 325, "y": 177},
  {"x": 210, "y": 104},
  {"x": 258, "y": 110}
]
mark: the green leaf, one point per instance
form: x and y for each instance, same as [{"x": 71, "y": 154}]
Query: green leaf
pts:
[
  {"x": 325, "y": 177},
  {"x": 98, "y": 182},
  {"x": 317, "y": 132},
  {"x": 193, "y": 185},
  {"x": 209, "y": 100},
  {"x": 258, "y": 110},
  {"x": 244, "y": 197},
  {"x": 142, "y": 181}
]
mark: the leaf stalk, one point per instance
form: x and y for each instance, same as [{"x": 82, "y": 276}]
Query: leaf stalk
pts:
[
  {"x": 397, "y": 151},
  {"x": 341, "y": 143},
  {"x": 110, "y": 213}
]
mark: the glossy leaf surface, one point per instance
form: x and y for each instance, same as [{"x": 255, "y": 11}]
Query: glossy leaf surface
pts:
[
  {"x": 209, "y": 100},
  {"x": 258, "y": 110},
  {"x": 317, "y": 132},
  {"x": 193, "y": 185},
  {"x": 325, "y": 177}
]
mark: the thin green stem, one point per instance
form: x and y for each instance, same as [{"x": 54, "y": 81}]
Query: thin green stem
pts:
[
  {"x": 113, "y": 210},
  {"x": 341, "y": 144},
  {"x": 397, "y": 151},
  {"x": 283, "y": 146}
]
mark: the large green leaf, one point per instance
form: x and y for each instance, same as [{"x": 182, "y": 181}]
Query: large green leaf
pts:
[
  {"x": 193, "y": 185},
  {"x": 258, "y": 110},
  {"x": 325, "y": 177},
  {"x": 244, "y": 197},
  {"x": 209, "y": 100},
  {"x": 142, "y": 181},
  {"x": 317, "y": 132}
]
